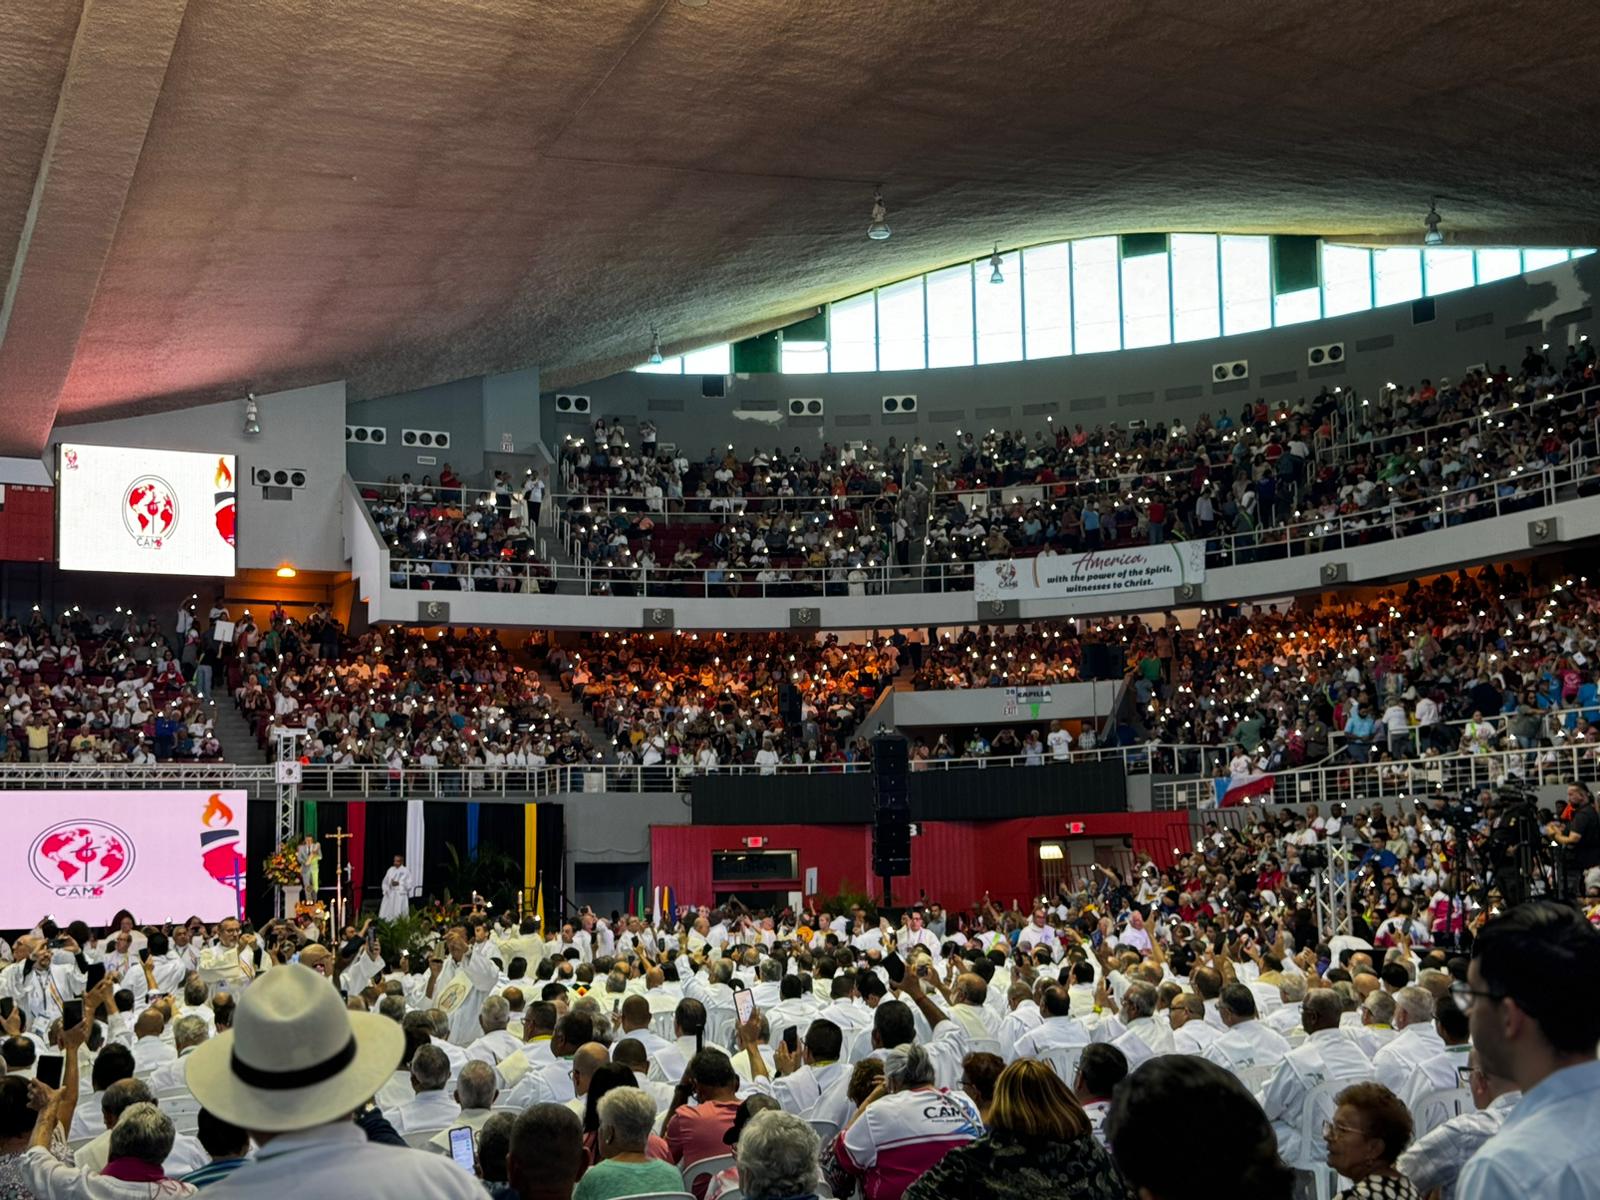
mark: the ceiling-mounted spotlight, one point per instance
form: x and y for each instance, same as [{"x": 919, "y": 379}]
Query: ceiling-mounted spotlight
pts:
[
  {"x": 994, "y": 266},
  {"x": 655, "y": 347},
  {"x": 252, "y": 416},
  {"x": 878, "y": 231},
  {"x": 1433, "y": 237}
]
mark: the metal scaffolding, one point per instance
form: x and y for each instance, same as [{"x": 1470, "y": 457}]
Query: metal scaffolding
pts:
[{"x": 1331, "y": 884}]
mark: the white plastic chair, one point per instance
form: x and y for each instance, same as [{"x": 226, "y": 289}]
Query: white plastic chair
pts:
[
  {"x": 1255, "y": 1077},
  {"x": 705, "y": 1168},
  {"x": 1063, "y": 1061},
  {"x": 984, "y": 1045},
  {"x": 860, "y": 1046},
  {"x": 183, "y": 1111},
  {"x": 664, "y": 1025},
  {"x": 1319, "y": 1109},
  {"x": 422, "y": 1139},
  {"x": 1438, "y": 1106},
  {"x": 719, "y": 1029}
]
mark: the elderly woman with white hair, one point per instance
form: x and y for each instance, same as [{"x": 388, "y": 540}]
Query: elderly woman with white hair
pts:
[
  {"x": 627, "y": 1115},
  {"x": 904, "y": 1126},
  {"x": 778, "y": 1158}
]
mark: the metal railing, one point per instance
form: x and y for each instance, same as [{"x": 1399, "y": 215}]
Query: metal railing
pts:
[
  {"x": 1418, "y": 778},
  {"x": 1531, "y": 488},
  {"x": 1483, "y": 419}
]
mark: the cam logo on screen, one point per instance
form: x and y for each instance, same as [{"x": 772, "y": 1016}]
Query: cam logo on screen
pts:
[
  {"x": 150, "y": 511},
  {"x": 224, "y": 502},
  {"x": 81, "y": 857},
  {"x": 219, "y": 848}
]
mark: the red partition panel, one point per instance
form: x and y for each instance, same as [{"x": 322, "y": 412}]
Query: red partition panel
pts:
[
  {"x": 953, "y": 862},
  {"x": 27, "y": 523}
]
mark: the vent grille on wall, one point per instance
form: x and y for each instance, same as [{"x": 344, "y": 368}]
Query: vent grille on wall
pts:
[
  {"x": 370, "y": 435},
  {"x": 571, "y": 404},
  {"x": 806, "y": 407},
  {"x": 283, "y": 477},
  {"x": 429, "y": 438},
  {"x": 1224, "y": 371},
  {"x": 899, "y": 404},
  {"x": 1317, "y": 356}
]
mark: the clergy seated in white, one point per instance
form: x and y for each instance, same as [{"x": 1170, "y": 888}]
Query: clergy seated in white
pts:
[
  {"x": 1058, "y": 1030},
  {"x": 186, "y": 1154},
  {"x": 797, "y": 1006},
  {"x": 553, "y": 1084},
  {"x": 1248, "y": 1041},
  {"x": 630, "y": 1053},
  {"x": 1441, "y": 1071},
  {"x": 1326, "y": 1056},
  {"x": 476, "y": 1091},
  {"x": 496, "y": 1043},
  {"x": 1022, "y": 1016},
  {"x": 1415, "y": 1041},
  {"x": 1142, "y": 1036},
  {"x": 150, "y": 1048},
  {"x": 1191, "y": 1032},
  {"x": 431, "y": 1105},
  {"x": 803, "y": 1076},
  {"x": 1374, "y": 1027},
  {"x": 187, "y": 1033}
]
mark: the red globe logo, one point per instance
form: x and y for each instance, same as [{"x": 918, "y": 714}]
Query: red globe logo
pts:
[
  {"x": 81, "y": 854},
  {"x": 150, "y": 510}
]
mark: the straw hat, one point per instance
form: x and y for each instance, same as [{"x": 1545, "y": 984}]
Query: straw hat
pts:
[{"x": 296, "y": 1057}]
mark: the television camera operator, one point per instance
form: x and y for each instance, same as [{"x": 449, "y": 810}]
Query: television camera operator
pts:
[{"x": 1579, "y": 835}]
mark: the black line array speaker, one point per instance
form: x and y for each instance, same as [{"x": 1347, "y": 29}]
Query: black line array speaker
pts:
[
  {"x": 891, "y": 805},
  {"x": 1102, "y": 661},
  {"x": 789, "y": 705}
]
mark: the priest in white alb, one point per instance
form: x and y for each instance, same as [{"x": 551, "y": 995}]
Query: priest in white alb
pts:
[{"x": 396, "y": 891}]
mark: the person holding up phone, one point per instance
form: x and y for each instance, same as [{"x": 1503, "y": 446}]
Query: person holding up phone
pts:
[
  {"x": 24, "y": 1121},
  {"x": 804, "y": 1077}
]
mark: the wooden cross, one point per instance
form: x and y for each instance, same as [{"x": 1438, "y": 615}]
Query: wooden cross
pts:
[{"x": 338, "y": 838}]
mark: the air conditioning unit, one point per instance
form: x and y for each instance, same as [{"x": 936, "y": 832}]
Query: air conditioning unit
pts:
[
  {"x": 367, "y": 435},
  {"x": 282, "y": 477},
  {"x": 1224, "y": 371},
  {"x": 805, "y": 407},
  {"x": 1321, "y": 356},
  {"x": 431, "y": 439},
  {"x": 571, "y": 404},
  {"x": 899, "y": 404}
]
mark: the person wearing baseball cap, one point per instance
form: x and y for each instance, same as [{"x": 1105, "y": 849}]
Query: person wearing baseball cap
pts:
[{"x": 294, "y": 1070}]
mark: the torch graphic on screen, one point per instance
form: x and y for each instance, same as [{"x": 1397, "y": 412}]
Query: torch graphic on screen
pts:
[
  {"x": 224, "y": 503},
  {"x": 219, "y": 849}
]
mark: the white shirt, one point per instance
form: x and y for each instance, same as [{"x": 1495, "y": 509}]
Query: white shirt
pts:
[
  {"x": 1324, "y": 1056},
  {"x": 1052, "y": 1033},
  {"x": 341, "y": 1162},
  {"x": 1248, "y": 1044},
  {"x": 492, "y": 1047},
  {"x": 433, "y": 1109},
  {"x": 1144, "y": 1038},
  {"x": 1194, "y": 1037},
  {"x": 800, "y": 1091},
  {"x": 1435, "y": 1159},
  {"x": 187, "y": 1155},
  {"x": 1395, "y": 1063}
]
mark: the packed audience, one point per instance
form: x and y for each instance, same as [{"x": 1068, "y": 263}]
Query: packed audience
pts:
[
  {"x": 1062, "y": 1048},
  {"x": 1333, "y": 470},
  {"x": 444, "y": 537},
  {"x": 88, "y": 689}
]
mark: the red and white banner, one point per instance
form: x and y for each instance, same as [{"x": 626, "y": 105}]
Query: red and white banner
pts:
[
  {"x": 163, "y": 856},
  {"x": 1097, "y": 573}
]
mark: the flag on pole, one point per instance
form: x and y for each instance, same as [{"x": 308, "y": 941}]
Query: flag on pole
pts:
[
  {"x": 1235, "y": 789},
  {"x": 655, "y": 907}
]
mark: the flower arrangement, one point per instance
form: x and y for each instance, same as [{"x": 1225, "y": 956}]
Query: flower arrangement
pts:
[{"x": 282, "y": 868}]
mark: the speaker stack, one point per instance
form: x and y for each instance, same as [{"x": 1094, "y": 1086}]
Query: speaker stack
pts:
[{"x": 891, "y": 808}]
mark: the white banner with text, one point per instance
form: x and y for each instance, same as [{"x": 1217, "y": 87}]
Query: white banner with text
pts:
[{"x": 1097, "y": 573}]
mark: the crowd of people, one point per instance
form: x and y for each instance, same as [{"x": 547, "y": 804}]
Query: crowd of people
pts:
[
  {"x": 1156, "y": 1032},
  {"x": 1332, "y": 470},
  {"x": 88, "y": 689},
  {"x": 444, "y": 537}
]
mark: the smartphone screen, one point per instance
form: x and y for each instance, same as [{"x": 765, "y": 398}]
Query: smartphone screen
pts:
[
  {"x": 71, "y": 1014},
  {"x": 49, "y": 1069},
  {"x": 7, "y": 1004},
  {"x": 791, "y": 1038},
  {"x": 462, "y": 1149},
  {"x": 95, "y": 973},
  {"x": 744, "y": 1003}
]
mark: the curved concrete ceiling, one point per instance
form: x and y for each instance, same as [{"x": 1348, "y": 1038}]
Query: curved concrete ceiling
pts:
[{"x": 203, "y": 197}]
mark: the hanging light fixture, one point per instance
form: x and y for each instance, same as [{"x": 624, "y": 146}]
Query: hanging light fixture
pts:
[
  {"x": 878, "y": 231},
  {"x": 252, "y": 416},
  {"x": 994, "y": 266},
  {"x": 1433, "y": 237},
  {"x": 655, "y": 347}
]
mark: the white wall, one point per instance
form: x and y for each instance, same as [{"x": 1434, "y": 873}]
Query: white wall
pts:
[{"x": 301, "y": 429}]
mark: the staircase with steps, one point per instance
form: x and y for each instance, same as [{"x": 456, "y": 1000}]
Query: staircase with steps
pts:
[
  {"x": 237, "y": 737},
  {"x": 564, "y": 706}
]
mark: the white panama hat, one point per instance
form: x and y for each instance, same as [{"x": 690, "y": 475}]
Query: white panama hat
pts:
[{"x": 296, "y": 1057}]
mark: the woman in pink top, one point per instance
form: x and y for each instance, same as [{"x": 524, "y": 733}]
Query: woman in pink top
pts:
[
  {"x": 696, "y": 1134},
  {"x": 905, "y": 1126}
]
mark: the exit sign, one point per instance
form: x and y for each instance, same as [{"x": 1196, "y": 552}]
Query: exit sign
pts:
[
  {"x": 754, "y": 843},
  {"x": 1074, "y": 826}
]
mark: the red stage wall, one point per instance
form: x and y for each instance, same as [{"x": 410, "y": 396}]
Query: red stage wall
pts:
[{"x": 955, "y": 862}]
